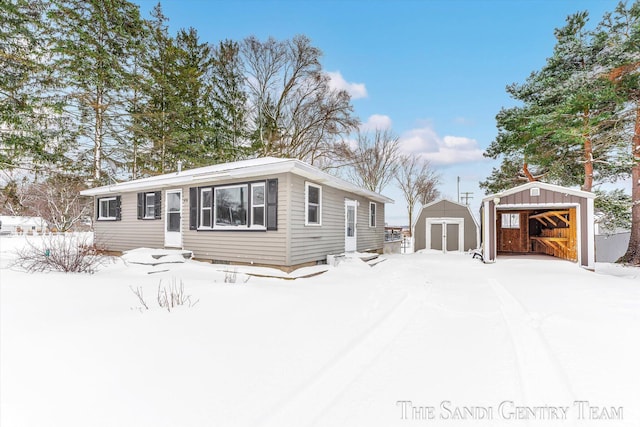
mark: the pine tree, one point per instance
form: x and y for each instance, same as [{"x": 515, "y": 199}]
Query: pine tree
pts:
[
  {"x": 228, "y": 102},
  {"x": 620, "y": 32},
  {"x": 31, "y": 126},
  {"x": 96, "y": 41},
  {"x": 565, "y": 130}
]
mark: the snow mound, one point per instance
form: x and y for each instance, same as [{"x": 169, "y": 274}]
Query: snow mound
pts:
[{"x": 148, "y": 256}]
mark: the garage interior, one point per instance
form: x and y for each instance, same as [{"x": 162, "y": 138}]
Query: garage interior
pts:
[{"x": 538, "y": 231}]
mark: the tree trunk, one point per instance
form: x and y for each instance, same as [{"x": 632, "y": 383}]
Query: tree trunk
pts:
[
  {"x": 97, "y": 134},
  {"x": 588, "y": 156},
  {"x": 632, "y": 256}
]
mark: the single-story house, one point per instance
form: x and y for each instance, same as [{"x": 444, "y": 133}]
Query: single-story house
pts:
[
  {"x": 446, "y": 226},
  {"x": 22, "y": 224},
  {"x": 267, "y": 211},
  {"x": 539, "y": 218}
]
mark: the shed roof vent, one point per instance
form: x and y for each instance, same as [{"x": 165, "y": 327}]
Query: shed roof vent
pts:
[{"x": 535, "y": 191}]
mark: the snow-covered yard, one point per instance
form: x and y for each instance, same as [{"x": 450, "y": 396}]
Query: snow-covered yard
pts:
[{"x": 419, "y": 339}]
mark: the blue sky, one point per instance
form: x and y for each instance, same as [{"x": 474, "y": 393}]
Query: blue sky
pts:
[{"x": 435, "y": 71}]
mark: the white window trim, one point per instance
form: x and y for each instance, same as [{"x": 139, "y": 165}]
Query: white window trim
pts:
[
  {"x": 100, "y": 216},
  {"x": 263, "y": 205},
  {"x": 210, "y": 209},
  {"x": 215, "y": 210},
  {"x": 146, "y": 206},
  {"x": 306, "y": 205},
  {"x": 510, "y": 227},
  {"x": 375, "y": 214}
]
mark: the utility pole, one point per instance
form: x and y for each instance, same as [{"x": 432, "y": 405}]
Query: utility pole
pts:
[
  {"x": 458, "y": 189},
  {"x": 466, "y": 195}
]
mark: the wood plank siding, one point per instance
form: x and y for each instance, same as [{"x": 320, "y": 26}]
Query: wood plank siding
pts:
[
  {"x": 568, "y": 239},
  {"x": 445, "y": 209}
]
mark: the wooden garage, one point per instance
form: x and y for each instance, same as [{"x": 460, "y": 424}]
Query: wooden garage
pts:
[
  {"x": 539, "y": 218},
  {"x": 445, "y": 225}
]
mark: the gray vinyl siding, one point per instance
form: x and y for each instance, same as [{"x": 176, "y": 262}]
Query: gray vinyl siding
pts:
[
  {"x": 243, "y": 246},
  {"x": 291, "y": 244},
  {"x": 445, "y": 209},
  {"x": 313, "y": 243},
  {"x": 130, "y": 232},
  {"x": 369, "y": 238}
]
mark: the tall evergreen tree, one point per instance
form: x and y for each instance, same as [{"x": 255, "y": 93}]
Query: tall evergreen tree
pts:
[
  {"x": 620, "y": 33},
  {"x": 31, "y": 129},
  {"x": 228, "y": 102},
  {"x": 194, "y": 116},
  {"x": 96, "y": 41}
]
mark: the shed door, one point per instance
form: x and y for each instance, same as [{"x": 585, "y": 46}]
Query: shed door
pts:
[
  {"x": 350, "y": 234},
  {"x": 513, "y": 232},
  {"x": 173, "y": 219},
  {"x": 445, "y": 234}
]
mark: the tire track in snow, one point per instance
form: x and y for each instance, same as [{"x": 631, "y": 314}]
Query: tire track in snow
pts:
[
  {"x": 304, "y": 405},
  {"x": 542, "y": 379}
]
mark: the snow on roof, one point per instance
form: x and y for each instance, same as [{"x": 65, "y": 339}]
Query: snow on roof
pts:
[
  {"x": 240, "y": 169},
  {"x": 543, "y": 185}
]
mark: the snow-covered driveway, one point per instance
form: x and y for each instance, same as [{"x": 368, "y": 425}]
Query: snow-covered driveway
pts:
[{"x": 417, "y": 336}]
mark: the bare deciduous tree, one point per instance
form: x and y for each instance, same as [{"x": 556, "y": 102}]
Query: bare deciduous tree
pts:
[
  {"x": 372, "y": 164},
  {"x": 417, "y": 180},
  {"x": 59, "y": 202},
  {"x": 294, "y": 110}
]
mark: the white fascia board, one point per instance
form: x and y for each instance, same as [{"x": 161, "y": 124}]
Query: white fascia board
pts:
[
  {"x": 543, "y": 185},
  {"x": 209, "y": 174}
]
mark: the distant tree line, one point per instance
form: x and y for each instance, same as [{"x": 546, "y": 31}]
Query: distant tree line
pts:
[{"x": 578, "y": 118}]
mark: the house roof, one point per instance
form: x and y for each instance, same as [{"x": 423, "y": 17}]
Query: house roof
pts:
[
  {"x": 543, "y": 185},
  {"x": 235, "y": 170}
]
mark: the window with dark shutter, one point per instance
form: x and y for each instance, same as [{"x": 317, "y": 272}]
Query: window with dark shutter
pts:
[
  {"x": 140, "y": 205},
  {"x": 272, "y": 204},
  {"x": 118, "y": 208},
  {"x": 158, "y": 205},
  {"x": 193, "y": 208}
]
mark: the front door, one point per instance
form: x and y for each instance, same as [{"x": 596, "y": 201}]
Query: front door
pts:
[
  {"x": 351, "y": 223},
  {"x": 173, "y": 219}
]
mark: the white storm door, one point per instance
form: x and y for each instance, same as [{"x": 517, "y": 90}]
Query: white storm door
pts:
[
  {"x": 173, "y": 219},
  {"x": 350, "y": 219}
]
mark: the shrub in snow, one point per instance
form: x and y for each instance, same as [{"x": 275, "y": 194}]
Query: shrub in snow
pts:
[
  {"x": 231, "y": 276},
  {"x": 71, "y": 253},
  {"x": 173, "y": 295}
]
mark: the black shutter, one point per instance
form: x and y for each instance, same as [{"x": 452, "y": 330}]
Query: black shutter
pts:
[
  {"x": 140, "y": 205},
  {"x": 272, "y": 204},
  {"x": 193, "y": 208},
  {"x": 118, "y": 209},
  {"x": 157, "y": 208},
  {"x": 97, "y": 208}
]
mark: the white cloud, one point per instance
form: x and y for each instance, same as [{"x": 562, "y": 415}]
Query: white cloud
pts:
[
  {"x": 337, "y": 82},
  {"x": 447, "y": 150},
  {"x": 376, "y": 121}
]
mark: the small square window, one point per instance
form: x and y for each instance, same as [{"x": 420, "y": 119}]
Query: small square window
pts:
[
  {"x": 107, "y": 208},
  {"x": 510, "y": 220}
]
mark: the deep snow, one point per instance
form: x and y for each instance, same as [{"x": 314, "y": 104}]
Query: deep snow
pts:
[{"x": 349, "y": 347}]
